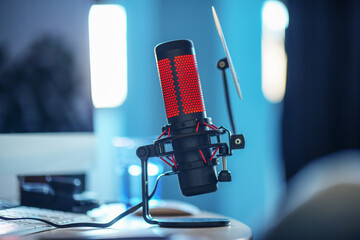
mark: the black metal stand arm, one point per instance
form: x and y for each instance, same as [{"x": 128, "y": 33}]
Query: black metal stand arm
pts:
[
  {"x": 144, "y": 152},
  {"x": 223, "y": 65}
]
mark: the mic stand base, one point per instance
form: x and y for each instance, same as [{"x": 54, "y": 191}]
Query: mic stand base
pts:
[
  {"x": 194, "y": 222},
  {"x": 144, "y": 152}
]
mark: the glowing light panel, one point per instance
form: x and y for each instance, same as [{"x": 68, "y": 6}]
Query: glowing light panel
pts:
[
  {"x": 275, "y": 15},
  {"x": 275, "y": 19},
  {"x": 108, "y": 57}
]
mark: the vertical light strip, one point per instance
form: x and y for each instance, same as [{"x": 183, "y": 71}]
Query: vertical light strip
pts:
[
  {"x": 108, "y": 55},
  {"x": 275, "y": 19}
]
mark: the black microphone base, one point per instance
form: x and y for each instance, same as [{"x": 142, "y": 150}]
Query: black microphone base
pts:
[{"x": 193, "y": 222}]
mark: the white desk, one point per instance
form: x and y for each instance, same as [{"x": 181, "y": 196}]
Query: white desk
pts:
[{"x": 135, "y": 227}]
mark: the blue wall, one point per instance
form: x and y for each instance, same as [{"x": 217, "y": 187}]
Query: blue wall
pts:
[
  {"x": 256, "y": 171},
  {"x": 257, "y": 176}
]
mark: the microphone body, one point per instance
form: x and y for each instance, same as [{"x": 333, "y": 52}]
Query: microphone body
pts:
[{"x": 185, "y": 109}]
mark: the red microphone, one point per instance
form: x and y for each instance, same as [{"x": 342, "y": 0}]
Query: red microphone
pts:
[
  {"x": 179, "y": 80},
  {"x": 185, "y": 110}
]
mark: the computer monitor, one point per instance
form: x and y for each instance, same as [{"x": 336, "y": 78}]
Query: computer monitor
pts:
[{"x": 46, "y": 113}]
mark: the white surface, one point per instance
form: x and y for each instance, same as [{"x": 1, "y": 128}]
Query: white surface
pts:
[
  {"x": 43, "y": 153},
  {"x": 47, "y": 153}
]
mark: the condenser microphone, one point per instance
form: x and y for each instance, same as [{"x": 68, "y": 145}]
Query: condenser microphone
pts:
[
  {"x": 196, "y": 143},
  {"x": 185, "y": 110}
]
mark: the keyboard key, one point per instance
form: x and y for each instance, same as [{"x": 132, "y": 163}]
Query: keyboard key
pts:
[{"x": 24, "y": 227}]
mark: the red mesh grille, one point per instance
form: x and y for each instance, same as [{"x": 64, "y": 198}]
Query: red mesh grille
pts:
[
  {"x": 189, "y": 84},
  {"x": 168, "y": 88}
]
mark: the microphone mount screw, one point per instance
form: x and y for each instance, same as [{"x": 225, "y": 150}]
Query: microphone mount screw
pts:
[
  {"x": 222, "y": 64},
  {"x": 224, "y": 162},
  {"x": 224, "y": 175},
  {"x": 238, "y": 141}
]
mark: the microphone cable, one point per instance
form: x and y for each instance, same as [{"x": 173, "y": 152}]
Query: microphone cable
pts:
[{"x": 89, "y": 224}]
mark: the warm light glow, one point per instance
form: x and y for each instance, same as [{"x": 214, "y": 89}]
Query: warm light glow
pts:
[
  {"x": 108, "y": 58},
  {"x": 274, "y": 59}
]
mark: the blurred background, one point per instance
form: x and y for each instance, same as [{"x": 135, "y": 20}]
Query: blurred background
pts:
[{"x": 89, "y": 66}]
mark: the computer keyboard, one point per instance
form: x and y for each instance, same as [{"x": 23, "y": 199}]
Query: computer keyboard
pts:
[{"x": 24, "y": 227}]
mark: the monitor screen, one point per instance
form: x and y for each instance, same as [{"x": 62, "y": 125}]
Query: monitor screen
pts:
[
  {"x": 44, "y": 67},
  {"x": 46, "y": 113}
]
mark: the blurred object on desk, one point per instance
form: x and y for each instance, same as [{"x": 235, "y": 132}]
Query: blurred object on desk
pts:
[
  {"x": 323, "y": 200},
  {"x": 57, "y": 192},
  {"x": 173, "y": 208}
]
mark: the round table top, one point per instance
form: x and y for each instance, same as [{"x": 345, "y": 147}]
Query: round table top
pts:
[{"x": 135, "y": 227}]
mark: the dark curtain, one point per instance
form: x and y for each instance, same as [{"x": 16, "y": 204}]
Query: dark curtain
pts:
[{"x": 322, "y": 101}]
